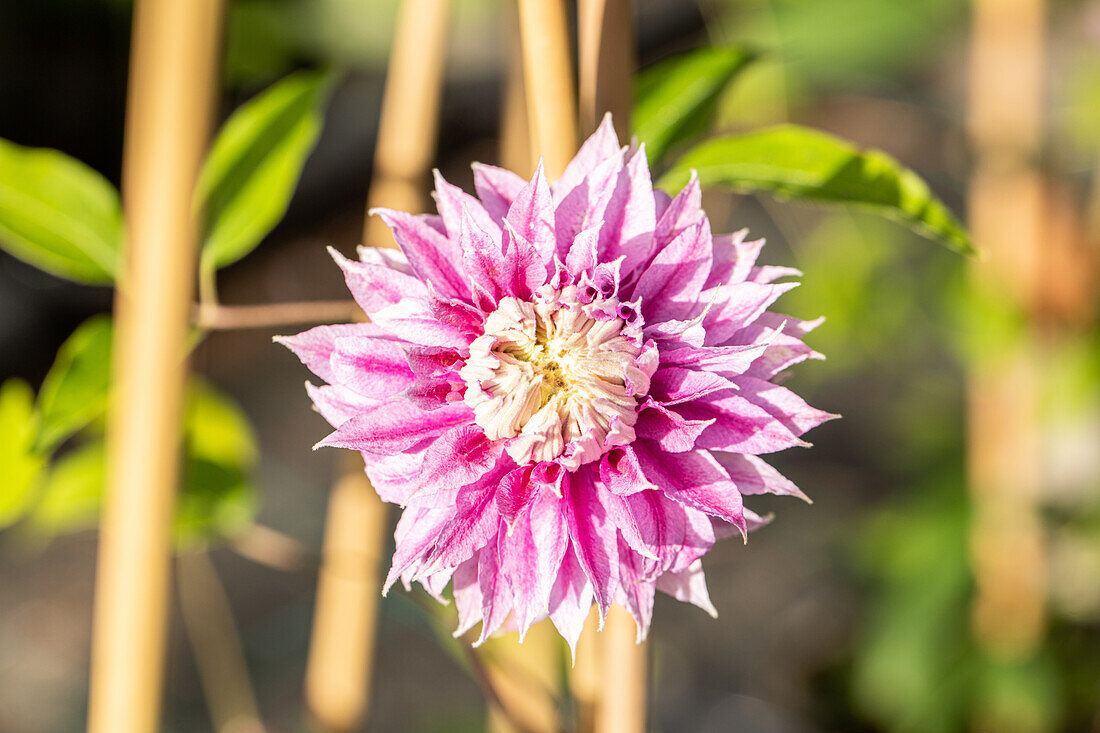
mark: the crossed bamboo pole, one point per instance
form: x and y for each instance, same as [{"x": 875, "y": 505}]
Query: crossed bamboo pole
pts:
[{"x": 172, "y": 81}]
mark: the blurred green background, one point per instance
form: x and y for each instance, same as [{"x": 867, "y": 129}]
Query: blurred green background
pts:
[{"x": 853, "y": 614}]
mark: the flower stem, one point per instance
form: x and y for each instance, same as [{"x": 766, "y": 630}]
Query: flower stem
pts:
[{"x": 172, "y": 75}]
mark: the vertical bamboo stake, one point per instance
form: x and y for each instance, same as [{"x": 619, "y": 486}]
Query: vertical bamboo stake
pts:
[
  {"x": 1004, "y": 442},
  {"x": 338, "y": 674},
  {"x": 548, "y": 79},
  {"x": 605, "y": 32},
  {"x": 172, "y": 75},
  {"x": 410, "y": 113},
  {"x": 622, "y": 706}
]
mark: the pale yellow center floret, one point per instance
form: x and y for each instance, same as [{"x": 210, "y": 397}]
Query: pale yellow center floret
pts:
[{"x": 554, "y": 381}]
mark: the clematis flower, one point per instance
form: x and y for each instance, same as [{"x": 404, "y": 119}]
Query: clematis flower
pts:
[{"x": 566, "y": 388}]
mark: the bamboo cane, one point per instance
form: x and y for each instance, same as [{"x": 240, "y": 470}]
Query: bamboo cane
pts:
[
  {"x": 1007, "y": 542},
  {"x": 338, "y": 674},
  {"x": 605, "y": 32},
  {"x": 548, "y": 79},
  {"x": 172, "y": 75}
]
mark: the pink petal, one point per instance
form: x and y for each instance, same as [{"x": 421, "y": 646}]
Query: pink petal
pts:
[
  {"x": 474, "y": 521},
  {"x": 414, "y": 321},
  {"x": 673, "y": 385},
  {"x": 570, "y": 599},
  {"x": 670, "y": 285},
  {"x": 373, "y": 367},
  {"x": 733, "y": 258},
  {"x": 753, "y": 476},
  {"x": 782, "y": 404},
  {"x": 635, "y": 592},
  {"x": 338, "y": 404},
  {"x": 592, "y": 534},
  {"x": 629, "y": 217},
  {"x": 668, "y": 429},
  {"x": 739, "y": 426},
  {"x": 682, "y": 212},
  {"x": 454, "y": 205},
  {"x": 531, "y": 556},
  {"x": 689, "y": 586},
  {"x": 694, "y": 479},
  {"x": 600, "y": 146},
  {"x": 496, "y": 591},
  {"x": 497, "y": 188},
  {"x": 415, "y": 534},
  {"x": 467, "y": 593},
  {"x": 532, "y": 217},
  {"x": 620, "y": 472},
  {"x": 315, "y": 346},
  {"x": 739, "y": 305},
  {"x": 458, "y": 458},
  {"x": 621, "y": 516},
  {"x": 394, "y": 426},
  {"x": 432, "y": 256},
  {"x": 376, "y": 286}
]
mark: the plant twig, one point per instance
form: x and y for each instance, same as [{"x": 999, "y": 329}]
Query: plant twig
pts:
[
  {"x": 216, "y": 646},
  {"x": 218, "y": 317}
]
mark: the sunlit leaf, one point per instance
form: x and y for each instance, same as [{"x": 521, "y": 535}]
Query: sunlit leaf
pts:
[
  {"x": 58, "y": 214},
  {"x": 20, "y": 465},
  {"x": 75, "y": 390},
  {"x": 72, "y": 493},
  {"x": 250, "y": 175},
  {"x": 676, "y": 99},
  {"x": 794, "y": 162}
]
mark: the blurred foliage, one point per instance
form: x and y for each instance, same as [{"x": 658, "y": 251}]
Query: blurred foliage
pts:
[
  {"x": 58, "y": 214},
  {"x": 216, "y": 499},
  {"x": 798, "y": 163},
  {"x": 254, "y": 164},
  {"x": 20, "y": 465},
  {"x": 74, "y": 392},
  {"x": 677, "y": 99}
]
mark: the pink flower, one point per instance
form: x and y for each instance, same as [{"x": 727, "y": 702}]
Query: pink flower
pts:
[{"x": 565, "y": 387}]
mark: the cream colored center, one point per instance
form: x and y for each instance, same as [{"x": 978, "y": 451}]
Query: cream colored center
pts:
[{"x": 556, "y": 378}]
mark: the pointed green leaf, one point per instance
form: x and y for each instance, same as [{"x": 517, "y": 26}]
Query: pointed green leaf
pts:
[
  {"x": 250, "y": 175},
  {"x": 58, "y": 214},
  {"x": 20, "y": 466},
  {"x": 75, "y": 390},
  {"x": 798, "y": 163},
  {"x": 676, "y": 99}
]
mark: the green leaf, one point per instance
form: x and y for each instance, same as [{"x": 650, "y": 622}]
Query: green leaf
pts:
[
  {"x": 20, "y": 466},
  {"x": 677, "y": 99},
  {"x": 59, "y": 215},
  {"x": 72, "y": 494},
  {"x": 795, "y": 162},
  {"x": 247, "y": 180},
  {"x": 217, "y": 496},
  {"x": 75, "y": 390}
]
